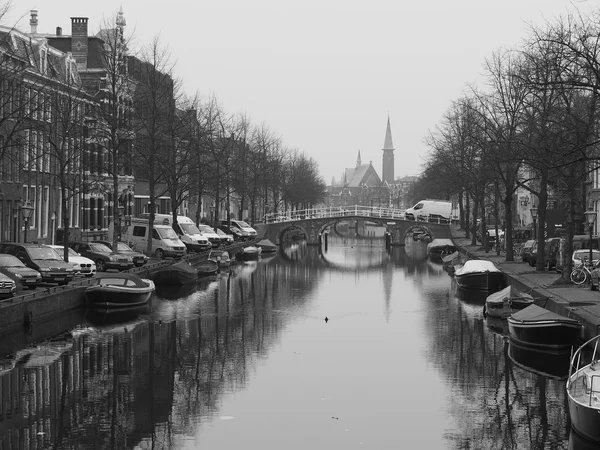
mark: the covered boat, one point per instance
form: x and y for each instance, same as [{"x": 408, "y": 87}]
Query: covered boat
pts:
[
  {"x": 221, "y": 257},
  {"x": 438, "y": 248},
  {"x": 506, "y": 302},
  {"x": 119, "y": 290},
  {"x": 267, "y": 246},
  {"x": 583, "y": 391},
  {"x": 539, "y": 327},
  {"x": 249, "y": 253},
  {"x": 206, "y": 267},
  {"x": 177, "y": 273},
  {"x": 479, "y": 274}
]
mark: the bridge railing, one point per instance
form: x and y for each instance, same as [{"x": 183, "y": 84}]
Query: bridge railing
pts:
[{"x": 340, "y": 211}]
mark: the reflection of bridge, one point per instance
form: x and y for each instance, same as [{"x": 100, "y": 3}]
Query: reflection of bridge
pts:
[{"x": 314, "y": 222}]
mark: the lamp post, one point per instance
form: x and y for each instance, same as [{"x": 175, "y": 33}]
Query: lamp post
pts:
[
  {"x": 534, "y": 217},
  {"x": 590, "y": 218},
  {"x": 26, "y": 211},
  {"x": 119, "y": 223}
]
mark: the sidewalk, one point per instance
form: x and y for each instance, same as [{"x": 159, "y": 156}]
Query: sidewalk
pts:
[{"x": 578, "y": 302}]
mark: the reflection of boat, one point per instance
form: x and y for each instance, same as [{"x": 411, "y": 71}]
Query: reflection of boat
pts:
[
  {"x": 472, "y": 296},
  {"x": 539, "y": 327},
  {"x": 177, "y": 273},
  {"x": 266, "y": 246},
  {"x": 171, "y": 292},
  {"x": 497, "y": 325},
  {"x": 506, "y": 301},
  {"x": 546, "y": 362},
  {"x": 206, "y": 267},
  {"x": 249, "y": 253},
  {"x": 438, "y": 248},
  {"x": 221, "y": 257},
  {"x": 43, "y": 355},
  {"x": 479, "y": 274},
  {"x": 583, "y": 391},
  {"x": 111, "y": 316},
  {"x": 118, "y": 290},
  {"x": 578, "y": 442}
]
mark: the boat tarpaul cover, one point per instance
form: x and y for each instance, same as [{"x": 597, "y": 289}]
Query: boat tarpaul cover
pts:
[
  {"x": 508, "y": 293},
  {"x": 440, "y": 243},
  {"x": 535, "y": 313},
  {"x": 476, "y": 266}
]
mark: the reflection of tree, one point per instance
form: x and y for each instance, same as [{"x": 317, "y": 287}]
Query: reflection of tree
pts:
[{"x": 524, "y": 407}]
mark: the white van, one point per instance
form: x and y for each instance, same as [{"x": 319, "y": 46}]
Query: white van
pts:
[
  {"x": 185, "y": 229},
  {"x": 246, "y": 230},
  {"x": 430, "y": 210},
  {"x": 165, "y": 241}
]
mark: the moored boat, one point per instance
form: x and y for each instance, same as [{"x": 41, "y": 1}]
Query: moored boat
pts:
[
  {"x": 480, "y": 274},
  {"x": 549, "y": 363},
  {"x": 249, "y": 253},
  {"x": 438, "y": 248},
  {"x": 206, "y": 267},
  {"x": 221, "y": 257},
  {"x": 538, "y": 327},
  {"x": 119, "y": 290},
  {"x": 177, "y": 273},
  {"x": 583, "y": 390},
  {"x": 506, "y": 302},
  {"x": 266, "y": 246}
]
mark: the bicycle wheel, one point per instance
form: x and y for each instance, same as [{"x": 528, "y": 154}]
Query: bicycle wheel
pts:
[{"x": 578, "y": 276}]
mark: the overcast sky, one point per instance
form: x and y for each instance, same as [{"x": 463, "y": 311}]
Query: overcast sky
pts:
[{"x": 324, "y": 74}]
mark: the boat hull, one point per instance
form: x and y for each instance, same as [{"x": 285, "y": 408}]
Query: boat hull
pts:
[
  {"x": 487, "y": 281},
  {"x": 505, "y": 309},
  {"x": 552, "y": 334},
  {"x": 116, "y": 297},
  {"x": 207, "y": 267}
]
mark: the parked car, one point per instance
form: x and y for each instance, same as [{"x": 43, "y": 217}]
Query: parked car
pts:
[
  {"x": 83, "y": 267},
  {"x": 583, "y": 254},
  {"x": 8, "y": 287},
  {"x": 24, "y": 276},
  {"x": 208, "y": 232},
  {"x": 235, "y": 232},
  {"x": 104, "y": 257},
  {"x": 139, "y": 259},
  {"x": 41, "y": 258},
  {"x": 551, "y": 252},
  {"x": 226, "y": 238},
  {"x": 527, "y": 246}
]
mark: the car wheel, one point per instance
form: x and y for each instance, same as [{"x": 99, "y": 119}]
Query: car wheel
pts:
[
  {"x": 160, "y": 254},
  {"x": 100, "y": 265}
]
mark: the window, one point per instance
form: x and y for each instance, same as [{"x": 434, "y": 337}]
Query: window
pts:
[{"x": 139, "y": 231}]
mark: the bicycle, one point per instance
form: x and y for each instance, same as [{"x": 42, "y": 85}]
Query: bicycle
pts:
[{"x": 581, "y": 273}]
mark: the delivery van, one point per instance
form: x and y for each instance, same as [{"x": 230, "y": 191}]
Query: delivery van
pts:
[
  {"x": 431, "y": 211},
  {"x": 185, "y": 229},
  {"x": 165, "y": 242}
]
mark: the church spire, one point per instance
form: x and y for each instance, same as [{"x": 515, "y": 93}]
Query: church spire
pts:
[
  {"x": 388, "y": 144},
  {"x": 387, "y": 172},
  {"x": 358, "y": 161}
]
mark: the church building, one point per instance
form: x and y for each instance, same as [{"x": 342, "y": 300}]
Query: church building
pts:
[{"x": 361, "y": 185}]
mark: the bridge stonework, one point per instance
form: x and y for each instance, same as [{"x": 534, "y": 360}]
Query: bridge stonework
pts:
[{"x": 313, "y": 228}]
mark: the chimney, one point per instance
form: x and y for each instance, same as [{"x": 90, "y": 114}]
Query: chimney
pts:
[
  {"x": 33, "y": 21},
  {"x": 79, "y": 41},
  {"x": 58, "y": 31}
]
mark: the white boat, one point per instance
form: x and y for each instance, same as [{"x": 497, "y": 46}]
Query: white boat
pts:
[
  {"x": 583, "y": 391},
  {"x": 438, "y": 248}
]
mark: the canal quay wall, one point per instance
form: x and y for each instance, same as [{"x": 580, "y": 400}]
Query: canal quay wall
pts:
[
  {"x": 569, "y": 300},
  {"x": 48, "y": 306}
]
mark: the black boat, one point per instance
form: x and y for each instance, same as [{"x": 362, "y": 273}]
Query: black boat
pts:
[
  {"x": 177, "y": 273},
  {"x": 118, "y": 290},
  {"x": 538, "y": 327},
  {"x": 439, "y": 248},
  {"x": 480, "y": 274},
  {"x": 206, "y": 267}
]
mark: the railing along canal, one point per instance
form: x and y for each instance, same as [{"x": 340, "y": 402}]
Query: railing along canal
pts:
[{"x": 333, "y": 212}]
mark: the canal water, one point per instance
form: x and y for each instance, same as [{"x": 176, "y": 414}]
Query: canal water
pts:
[{"x": 350, "y": 347}]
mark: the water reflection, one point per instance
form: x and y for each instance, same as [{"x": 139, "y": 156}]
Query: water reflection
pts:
[{"x": 247, "y": 356}]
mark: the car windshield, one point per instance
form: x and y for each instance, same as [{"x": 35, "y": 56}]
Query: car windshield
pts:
[
  {"x": 189, "y": 228},
  {"x": 123, "y": 247},
  {"x": 206, "y": 229},
  {"x": 10, "y": 261},
  {"x": 100, "y": 248},
  {"x": 44, "y": 253},
  {"x": 243, "y": 224},
  {"x": 585, "y": 254},
  {"x": 167, "y": 233}
]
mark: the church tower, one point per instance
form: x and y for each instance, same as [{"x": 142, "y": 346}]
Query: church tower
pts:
[{"x": 387, "y": 171}]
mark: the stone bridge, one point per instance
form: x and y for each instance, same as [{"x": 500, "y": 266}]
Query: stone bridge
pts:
[{"x": 314, "y": 227}]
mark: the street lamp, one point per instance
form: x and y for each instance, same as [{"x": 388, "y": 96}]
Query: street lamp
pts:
[
  {"x": 590, "y": 218},
  {"x": 534, "y": 217},
  {"x": 26, "y": 211}
]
